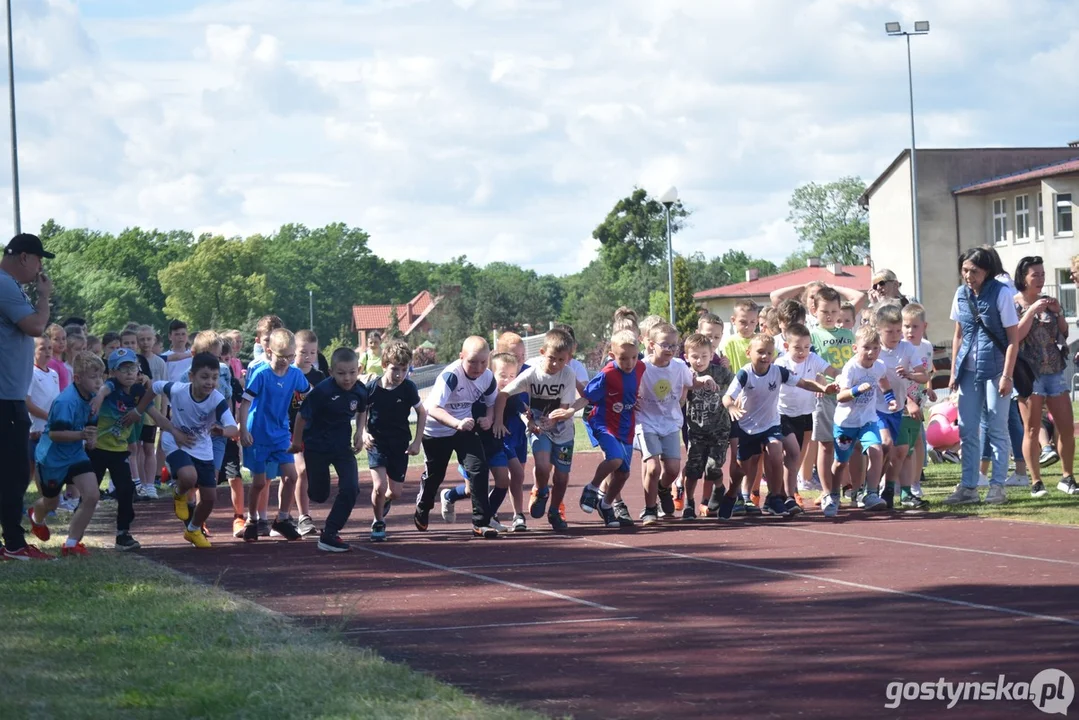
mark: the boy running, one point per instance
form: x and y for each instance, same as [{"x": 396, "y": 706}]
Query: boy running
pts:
[
  {"x": 836, "y": 345},
  {"x": 708, "y": 428},
  {"x": 306, "y": 360}
]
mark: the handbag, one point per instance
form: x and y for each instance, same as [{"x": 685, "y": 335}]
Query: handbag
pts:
[{"x": 1022, "y": 375}]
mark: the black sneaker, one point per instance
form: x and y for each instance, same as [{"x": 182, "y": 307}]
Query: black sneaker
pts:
[
  {"x": 775, "y": 505},
  {"x": 793, "y": 508},
  {"x": 666, "y": 500},
  {"x": 487, "y": 533},
  {"x": 715, "y": 499},
  {"x": 557, "y": 523},
  {"x": 1067, "y": 485},
  {"x": 607, "y": 516},
  {"x": 378, "y": 531},
  {"x": 913, "y": 502},
  {"x": 420, "y": 518},
  {"x": 650, "y": 515},
  {"x": 738, "y": 507},
  {"x": 286, "y": 529},
  {"x": 888, "y": 496},
  {"x": 125, "y": 542},
  {"x": 621, "y": 511},
  {"x": 251, "y": 531},
  {"x": 1038, "y": 490},
  {"x": 751, "y": 508},
  {"x": 726, "y": 507},
  {"x": 689, "y": 511},
  {"x": 263, "y": 527},
  {"x": 334, "y": 544}
]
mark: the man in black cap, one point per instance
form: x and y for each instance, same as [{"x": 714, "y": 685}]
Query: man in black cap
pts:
[{"x": 20, "y": 322}]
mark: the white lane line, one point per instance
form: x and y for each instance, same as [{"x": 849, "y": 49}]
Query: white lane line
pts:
[
  {"x": 489, "y": 626},
  {"x": 976, "y": 551},
  {"x": 846, "y": 583},
  {"x": 489, "y": 579},
  {"x": 509, "y": 566}
]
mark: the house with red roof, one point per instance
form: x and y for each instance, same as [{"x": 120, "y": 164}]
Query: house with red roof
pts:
[
  {"x": 721, "y": 300},
  {"x": 412, "y": 317},
  {"x": 1022, "y": 201}
]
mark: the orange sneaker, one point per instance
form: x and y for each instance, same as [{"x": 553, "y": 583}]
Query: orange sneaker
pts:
[
  {"x": 562, "y": 511},
  {"x": 755, "y": 496},
  {"x": 238, "y": 523},
  {"x": 76, "y": 549},
  {"x": 41, "y": 532},
  {"x": 798, "y": 499},
  {"x": 679, "y": 496}
]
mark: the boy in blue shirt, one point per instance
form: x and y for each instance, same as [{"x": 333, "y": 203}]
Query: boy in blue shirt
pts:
[
  {"x": 61, "y": 456},
  {"x": 265, "y": 432},
  {"x": 387, "y": 435},
  {"x": 323, "y": 428}
]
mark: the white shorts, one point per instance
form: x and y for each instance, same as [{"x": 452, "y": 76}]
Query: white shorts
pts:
[{"x": 650, "y": 445}]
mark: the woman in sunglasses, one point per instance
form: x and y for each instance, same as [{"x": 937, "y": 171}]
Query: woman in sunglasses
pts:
[
  {"x": 885, "y": 287},
  {"x": 1042, "y": 331}
]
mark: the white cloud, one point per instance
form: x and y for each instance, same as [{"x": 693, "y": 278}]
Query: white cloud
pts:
[{"x": 505, "y": 129}]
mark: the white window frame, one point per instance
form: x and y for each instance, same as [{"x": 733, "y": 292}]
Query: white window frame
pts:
[
  {"x": 1058, "y": 215},
  {"x": 1022, "y": 218},
  {"x": 1040, "y": 234},
  {"x": 1000, "y": 221}
]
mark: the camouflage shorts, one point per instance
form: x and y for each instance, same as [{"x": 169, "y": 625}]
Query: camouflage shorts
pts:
[{"x": 705, "y": 457}]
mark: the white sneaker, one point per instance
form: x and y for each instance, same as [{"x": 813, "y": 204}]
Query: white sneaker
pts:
[
  {"x": 963, "y": 496},
  {"x": 449, "y": 514},
  {"x": 519, "y": 524},
  {"x": 873, "y": 501},
  {"x": 996, "y": 495},
  {"x": 1015, "y": 480},
  {"x": 829, "y": 506},
  {"x": 983, "y": 481},
  {"x": 497, "y": 525},
  {"x": 146, "y": 492},
  {"x": 68, "y": 504}
]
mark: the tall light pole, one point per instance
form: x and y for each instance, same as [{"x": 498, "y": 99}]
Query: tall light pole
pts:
[
  {"x": 894, "y": 29},
  {"x": 668, "y": 199},
  {"x": 11, "y": 104},
  {"x": 311, "y": 309}
]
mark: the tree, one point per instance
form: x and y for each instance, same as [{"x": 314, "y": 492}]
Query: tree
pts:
[
  {"x": 635, "y": 230},
  {"x": 394, "y": 330},
  {"x": 830, "y": 221},
  {"x": 685, "y": 310},
  {"x": 658, "y": 303}
]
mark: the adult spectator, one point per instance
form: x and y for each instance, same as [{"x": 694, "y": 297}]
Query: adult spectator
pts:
[
  {"x": 1042, "y": 330},
  {"x": 984, "y": 349},
  {"x": 884, "y": 287},
  {"x": 20, "y": 322}
]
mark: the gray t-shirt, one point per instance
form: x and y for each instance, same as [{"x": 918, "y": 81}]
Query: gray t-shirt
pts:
[{"x": 16, "y": 347}]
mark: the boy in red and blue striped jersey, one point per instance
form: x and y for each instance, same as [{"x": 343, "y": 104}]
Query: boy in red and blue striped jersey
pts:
[{"x": 613, "y": 392}]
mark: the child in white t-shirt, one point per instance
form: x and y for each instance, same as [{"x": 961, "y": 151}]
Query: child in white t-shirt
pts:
[
  {"x": 912, "y": 425},
  {"x": 44, "y": 388},
  {"x": 856, "y": 419}
]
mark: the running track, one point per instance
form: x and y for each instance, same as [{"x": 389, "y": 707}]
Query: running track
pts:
[{"x": 756, "y": 618}]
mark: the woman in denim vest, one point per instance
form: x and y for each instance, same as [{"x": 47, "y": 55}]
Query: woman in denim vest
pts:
[
  {"x": 982, "y": 372},
  {"x": 1042, "y": 329}
]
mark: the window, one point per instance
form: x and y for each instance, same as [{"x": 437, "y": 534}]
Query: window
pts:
[
  {"x": 1000, "y": 221},
  {"x": 1064, "y": 213},
  {"x": 1022, "y": 217},
  {"x": 1066, "y": 293},
  {"x": 1041, "y": 218}
]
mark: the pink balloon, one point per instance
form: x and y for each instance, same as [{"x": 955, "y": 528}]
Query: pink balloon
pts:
[{"x": 941, "y": 433}]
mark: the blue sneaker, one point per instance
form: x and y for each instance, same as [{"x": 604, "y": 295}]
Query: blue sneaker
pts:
[
  {"x": 607, "y": 516},
  {"x": 557, "y": 523},
  {"x": 775, "y": 505},
  {"x": 378, "y": 531},
  {"x": 750, "y": 507},
  {"x": 538, "y": 507},
  {"x": 793, "y": 508},
  {"x": 589, "y": 498}
]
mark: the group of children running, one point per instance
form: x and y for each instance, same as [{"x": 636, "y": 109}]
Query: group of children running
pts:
[{"x": 765, "y": 395}]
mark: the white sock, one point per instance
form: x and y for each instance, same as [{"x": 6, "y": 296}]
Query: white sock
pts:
[
  {"x": 136, "y": 481},
  {"x": 71, "y": 542}
]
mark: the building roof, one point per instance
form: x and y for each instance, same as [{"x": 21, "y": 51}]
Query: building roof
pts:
[
  {"x": 409, "y": 315},
  {"x": 856, "y": 277},
  {"x": 1065, "y": 167}
]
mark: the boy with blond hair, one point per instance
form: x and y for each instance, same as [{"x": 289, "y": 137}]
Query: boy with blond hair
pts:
[
  {"x": 307, "y": 361},
  {"x": 836, "y": 345},
  {"x": 744, "y": 320},
  {"x": 912, "y": 425},
  {"x": 516, "y": 438},
  {"x": 708, "y": 428}
]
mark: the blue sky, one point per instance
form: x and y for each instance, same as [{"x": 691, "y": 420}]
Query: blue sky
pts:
[{"x": 506, "y": 129}]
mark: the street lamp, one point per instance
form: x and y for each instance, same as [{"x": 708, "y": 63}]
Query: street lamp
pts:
[
  {"x": 894, "y": 29},
  {"x": 311, "y": 309},
  {"x": 668, "y": 199},
  {"x": 11, "y": 105}
]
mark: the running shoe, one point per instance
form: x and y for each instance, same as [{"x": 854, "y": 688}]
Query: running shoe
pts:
[
  {"x": 68, "y": 504},
  {"x": 607, "y": 517},
  {"x": 650, "y": 515},
  {"x": 386, "y": 506},
  {"x": 264, "y": 528},
  {"x": 914, "y": 502},
  {"x": 751, "y": 508},
  {"x": 197, "y": 538},
  {"x": 1067, "y": 485},
  {"x": 1015, "y": 480},
  {"x": 449, "y": 510},
  {"x": 589, "y": 498},
  {"x": 27, "y": 552},
  {"x": 487, "y": 533},
  {"x": 125, "y": 542},
  {"x": 306, "y": 526},
  {"x": 421, "y": 518},
  {"x": 621, "y": 511},
  {"x": 996, "y": 495},
  {"x": 814, "y": 481},
  {"x": 830, "y": 506},
  {"x": 519, "y": 524},
  {"x": 666, "y": 500},
  {"x": 983, "y": 480},
  {"x": 562, "y": 510},
  {"x": 793, "y": 507},
  {"x": 286, "y": 529},
  {"x": 1038, "y": 490},
  {"x": 41, "y": 532},
  {"x": 727, "y": 507},
  {"x": 537, "y": 506},
  {"x": 558, "y": 523},
  {"x": 146, "y": 492},
  {"x": 755, "y": 497},
  {"x": 238, "y": 524},
  {"x": 1049, "y": 456},
  {"x": 251, "y": 531},
  {"x": 689, "y": 510},
  {"x": 964, "y": 496},
  {"x": 497, "y": 525},
  {"x": 739, "y": 506},
  {"x": 332, "y": 543},
  {"x": 180, "y": 507},
  {"x": 888, "y": 496},
  {"x": 951, "y": 456},
  {"x": 775, "y": 505},
  {"x": 378, "y": 531},
  {"x": 78, "y": 549},
  {"x": 873, "y": 502}
]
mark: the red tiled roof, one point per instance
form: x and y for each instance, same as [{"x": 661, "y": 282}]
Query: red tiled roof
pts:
[
  {"x": 377, "y": 317},
  {"x": 1025, "y": 176},
  {"x": 856, "y": 277}
]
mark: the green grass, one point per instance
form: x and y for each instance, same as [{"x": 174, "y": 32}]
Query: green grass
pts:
[{"x": 115, "y": 636}]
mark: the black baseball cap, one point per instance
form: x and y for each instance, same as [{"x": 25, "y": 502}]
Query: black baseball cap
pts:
[{"x": 27, "y": 243}]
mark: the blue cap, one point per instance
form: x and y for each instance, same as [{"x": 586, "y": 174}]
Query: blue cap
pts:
[{"x": 121, "y": 356}]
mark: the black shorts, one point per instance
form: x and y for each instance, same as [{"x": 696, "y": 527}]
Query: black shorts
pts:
[
  {"x": 755, "y": 444},
  {"x": 204, "y": 469},
  {"x": 230, "y": 468},
  {"x": 51, "y": 487},
  {"x": 798, "y": 425},
  {"x": 394, "y": 463},
  {"x": 148, "y": 434}
]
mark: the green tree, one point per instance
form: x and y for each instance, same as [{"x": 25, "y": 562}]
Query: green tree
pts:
[
  {"x": 635, "y": 230},
  {"x": 221, "y": 284},
  {"x": 685, "y": 310},
  {"x": 830, "y": 221},
  {"x": 658, "y": 303}
]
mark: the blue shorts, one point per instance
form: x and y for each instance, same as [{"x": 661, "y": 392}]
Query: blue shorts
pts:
[
  {"x": 394, "y": 463},
  {"x": 891, "y": 423},
  {"x": 498, "y": 459},
  {"x": 561, "y": 453},
  {"x": 517, "y": 449},
  {"x": 868, "y": 435},
  {"x": 1050, "y": 385},
  {"x": 258, "y": 458},
  {"x": 205, "y": 475},
  {"x": 614, "y": 449},
  {"x": 750, "y": 445}
]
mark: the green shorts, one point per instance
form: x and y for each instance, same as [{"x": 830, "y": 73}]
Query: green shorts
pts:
[{"x": 910, "y": 430}]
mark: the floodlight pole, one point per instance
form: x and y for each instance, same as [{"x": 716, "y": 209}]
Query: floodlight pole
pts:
[
  {"x": 670, "y": 265},
  {"x": 11, "y": 106}
]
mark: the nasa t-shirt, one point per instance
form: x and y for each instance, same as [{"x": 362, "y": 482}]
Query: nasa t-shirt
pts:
[
  {"x": 659, "y": 405},
  {"x": 547, "y": 393}
]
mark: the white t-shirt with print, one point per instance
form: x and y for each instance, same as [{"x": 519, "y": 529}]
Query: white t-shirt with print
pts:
[
  {"x": 793, "y": 400},
  {"x": 862, "y": 410},
  {"x": 44, "y": 388},
  {"x": 195, "y": 417},
  {"x": 177, "y": 370},
  {"x": 455, "y": 392},
  {"x": 903, "y": 355},
  {"x": 923, "y": 357},
  {"x": 659, "y": 403},
  {"x": 547, "y": 393},
  {"x": 761, "y": 396}
]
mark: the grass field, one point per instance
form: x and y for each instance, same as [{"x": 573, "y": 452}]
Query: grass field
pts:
[{"x": 115, "y": 636}]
